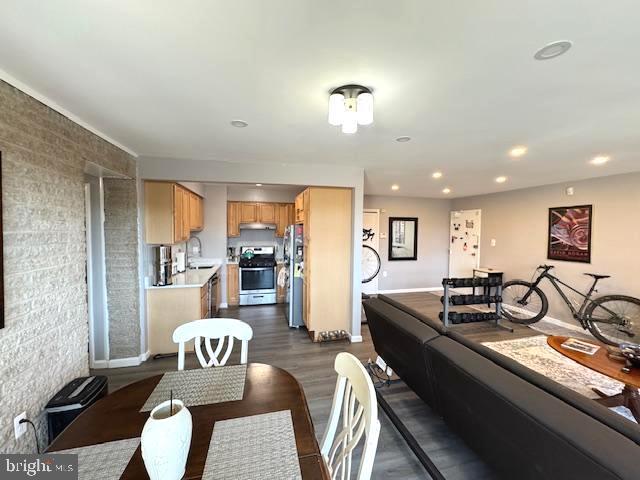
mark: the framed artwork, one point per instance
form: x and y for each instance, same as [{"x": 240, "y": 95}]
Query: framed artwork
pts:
[
  {"x": 570, "y": 233},
  {"x": 403, "y": 238}
]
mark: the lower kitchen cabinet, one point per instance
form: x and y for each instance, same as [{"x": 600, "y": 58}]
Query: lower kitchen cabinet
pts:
[{"x": 233, "y": 284}]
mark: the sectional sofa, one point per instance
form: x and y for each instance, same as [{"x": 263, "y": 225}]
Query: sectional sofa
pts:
[{"x": 523, "y": 424}]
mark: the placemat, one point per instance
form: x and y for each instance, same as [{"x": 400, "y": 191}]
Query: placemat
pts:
[
  {"x": 260, "y": 447},
  {"x": 200, "y": 387},
  {"x": 104, "y": 461}
]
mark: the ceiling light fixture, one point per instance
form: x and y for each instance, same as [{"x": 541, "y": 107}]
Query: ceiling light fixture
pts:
[
  {"x": 553, "y": 50},
  {"x": 600, "y": 159},
  {"x": 239, "y": 123},
  {"x": 518, "y": 151},
  {"x": 501, "y": 179},
  {"x": 258, "y": 184},
  {"x": 446, "y": 190},
  {"x": 436, "y": 174},
  {"x": 403, "y": 139},
  {"x": 350, "y": 106},
  {"x": 395, "y": 187}
]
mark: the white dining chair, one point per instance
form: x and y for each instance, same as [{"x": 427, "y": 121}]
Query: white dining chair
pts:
[
  {"x": 355, "y": 399},
  {"x": 220, "y": 329}
]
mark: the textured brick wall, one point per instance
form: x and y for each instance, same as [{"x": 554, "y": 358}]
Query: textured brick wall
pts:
[
  {"x": 44, "y": 342},
  {"x": 121, "y": 249}
]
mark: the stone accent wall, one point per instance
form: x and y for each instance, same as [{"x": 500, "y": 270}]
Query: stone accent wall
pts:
[
  {"x": 121, "y": 248},
  {"x": 45, "y": 340}
]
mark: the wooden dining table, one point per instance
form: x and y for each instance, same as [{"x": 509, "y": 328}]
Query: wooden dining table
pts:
[{"x": 267, "y": 389}]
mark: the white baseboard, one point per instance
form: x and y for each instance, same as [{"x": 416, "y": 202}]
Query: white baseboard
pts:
[
  {"x": 355, "y": 338},
  {"x": 100, "y": 364},
  {"x": 122, "y": 362},
  {"x": 410, "y": 290},
  {"x": 562, "y": 323},
  {"x": 145, "y": 356}
]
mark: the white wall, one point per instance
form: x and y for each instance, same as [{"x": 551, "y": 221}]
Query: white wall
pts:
[
  {"x": 517, "y": 220},
  {"x": 153, "y": 168},
  {"x": 433, "y": 241}
]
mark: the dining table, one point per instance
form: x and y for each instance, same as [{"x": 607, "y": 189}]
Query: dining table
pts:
[{"x": 267, "y": 389}]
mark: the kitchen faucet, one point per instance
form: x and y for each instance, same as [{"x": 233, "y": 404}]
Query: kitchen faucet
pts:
[{"x": 187, "y": 246}]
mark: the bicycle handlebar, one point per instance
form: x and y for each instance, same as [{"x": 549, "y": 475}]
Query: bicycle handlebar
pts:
[{"x": 545, "y": 267}]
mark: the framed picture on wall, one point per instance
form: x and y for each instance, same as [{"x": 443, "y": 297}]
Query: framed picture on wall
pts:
[
  {"x": 569, "y": 236},
  {"x": 403, "y": 238}
]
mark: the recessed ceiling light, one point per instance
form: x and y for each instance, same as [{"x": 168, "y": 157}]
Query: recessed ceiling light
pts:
[
  {"x": 239, "y": 123},
  {"x": 403, "y": 139},
  {"x": 395, "y": 187},
  {"x": 258, "y": 184},
  {"x": 436, "y": 174},
  {"x": 446, "y": 190},
  {"x": 501, "y": 179},
  {"x": 518, "y": 151},
  {"x": 553, "y": 50},
  {"x": 600, "y": 160}
]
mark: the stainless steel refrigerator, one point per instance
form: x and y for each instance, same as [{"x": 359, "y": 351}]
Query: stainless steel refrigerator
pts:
[{"x": 294, "y": 265}]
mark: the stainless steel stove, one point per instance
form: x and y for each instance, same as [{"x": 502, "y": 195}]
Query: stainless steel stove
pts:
[{"x": 257, "y": 275}]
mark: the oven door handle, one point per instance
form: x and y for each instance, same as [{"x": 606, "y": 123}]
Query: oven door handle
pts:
[{"x": 254, "y": 269}]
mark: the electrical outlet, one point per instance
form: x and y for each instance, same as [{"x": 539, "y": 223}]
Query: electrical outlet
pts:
[
  {"x": 20, "y": 428},
  {"x": 384, "y": 273},
  {"x": 493, "y": 242}
]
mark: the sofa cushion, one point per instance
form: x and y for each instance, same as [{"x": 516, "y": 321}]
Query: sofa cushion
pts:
[
  {"x": 434, "y": 323},
  {"x": 399, "y": 339},
  {"x": 582, "y": 403},
  {"x": 520, "y": 429}
]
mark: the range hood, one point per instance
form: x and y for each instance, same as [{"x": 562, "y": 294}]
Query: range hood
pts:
[{"x": 257, "y": 226}]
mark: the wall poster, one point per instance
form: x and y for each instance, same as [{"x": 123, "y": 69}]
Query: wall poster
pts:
[{"x": 570, "y": 233}]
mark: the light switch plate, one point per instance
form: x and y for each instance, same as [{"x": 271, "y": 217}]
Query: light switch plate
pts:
[{"x": 493, "y": 242}]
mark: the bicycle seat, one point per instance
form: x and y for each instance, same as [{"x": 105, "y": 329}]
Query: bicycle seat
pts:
[{"x": 596, "y": 276}]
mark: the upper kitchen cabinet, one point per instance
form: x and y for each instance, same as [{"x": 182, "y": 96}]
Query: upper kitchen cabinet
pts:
[
  {"x": 284, "y": 217},
  {"x": 171, "y": 213},
  {"x": 299, "y": 208},
  {"x": 233, "y": 219},
  {"x": 267, "y": 212},
  {"x": 248, "y": 212}
]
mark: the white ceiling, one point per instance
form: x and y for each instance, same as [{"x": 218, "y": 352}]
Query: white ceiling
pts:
[{"x": 164, "y": 78}]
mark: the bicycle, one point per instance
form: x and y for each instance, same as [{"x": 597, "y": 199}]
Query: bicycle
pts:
[
  {"x": 370, "y": 258},
  {"x": 612, "y": 319}
]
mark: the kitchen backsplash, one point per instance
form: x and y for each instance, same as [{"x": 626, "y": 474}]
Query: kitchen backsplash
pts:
[{"x": 256, "y": 238}]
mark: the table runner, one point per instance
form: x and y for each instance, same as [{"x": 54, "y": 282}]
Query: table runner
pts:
[
  {"x": 259, "y": 447},
  {"x": 200, "y": 387},
  {"x": 103, "y": 461}
]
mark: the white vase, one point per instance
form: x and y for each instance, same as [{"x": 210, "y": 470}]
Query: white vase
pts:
[{"x": 166, "y": 440}]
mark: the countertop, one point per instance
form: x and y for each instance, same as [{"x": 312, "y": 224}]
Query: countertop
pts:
[{"x": 192, "y": 278}]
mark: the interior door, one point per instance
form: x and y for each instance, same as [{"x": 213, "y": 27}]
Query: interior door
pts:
[
  {"x": 371, "y": 221},
  {"x": 464, "y": 243}
]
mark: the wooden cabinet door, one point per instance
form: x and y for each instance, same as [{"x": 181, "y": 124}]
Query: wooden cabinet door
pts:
[
  {"x": 291, "y": 213},
  {"x": 267, "y": 212},
  {"x": 201, "y": 212},
  {"x": 248, "y": 212},
  {"x": 186, "y": 216},
  {"x": 178, "y": 211},
  {"x": 233, "y": 219},
  {"x": 282, "y": 219},
  {"x": 299, "y": 208},
  {"x": 233, "y": 284},
  {"x": 196, "y": 221}
]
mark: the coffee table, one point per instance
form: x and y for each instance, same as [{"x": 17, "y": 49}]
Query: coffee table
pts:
[{"x": 629, "y": 396}]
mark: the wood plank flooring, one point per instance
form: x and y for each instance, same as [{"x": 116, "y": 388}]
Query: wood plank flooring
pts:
[{"x": 312, "y": 364}]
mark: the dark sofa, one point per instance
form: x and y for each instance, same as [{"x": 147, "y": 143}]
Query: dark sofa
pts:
[{"x": 523, "y": 424}]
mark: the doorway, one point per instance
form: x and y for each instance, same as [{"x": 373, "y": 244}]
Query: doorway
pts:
[{"x": 464, "y": 243}]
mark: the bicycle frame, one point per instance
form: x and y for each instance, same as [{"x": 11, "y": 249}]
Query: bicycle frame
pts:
[{"x": 578, "y": 314}]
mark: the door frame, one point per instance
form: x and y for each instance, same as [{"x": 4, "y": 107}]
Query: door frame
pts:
[{"x": 478, "y": 251}]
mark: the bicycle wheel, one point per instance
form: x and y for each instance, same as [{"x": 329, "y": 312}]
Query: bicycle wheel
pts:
[
  {"x": 515, "y": 309},
  {"x": 370, "y": 263},
  {"x": 614, "y": 319}
]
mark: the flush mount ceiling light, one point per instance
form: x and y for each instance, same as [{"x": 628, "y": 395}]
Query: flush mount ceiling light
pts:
[
  {"x": 239, "y": 123},
  {"x": 446, "y": 190},
  {"x": 350, "y": 106},
  {"x": 258, "y": 184},
  {"x": 436, "y": 174},
  {"x": 553, "y": 50},
  {"x": 395, "y": 187},
  {"x": 600, "y": 160},
  {"x": 403, "y": 139},
  {"x": 501, "y": 179},
  {"x": 518, "y": 151}
]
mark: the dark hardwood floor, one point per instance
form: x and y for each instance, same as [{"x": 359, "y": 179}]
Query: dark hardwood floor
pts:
[{"x": 312, "y": 364}]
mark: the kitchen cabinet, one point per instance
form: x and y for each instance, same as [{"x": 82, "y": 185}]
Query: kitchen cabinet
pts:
[
  {"x": 233, "y": 219},
  {"x": 196, "y": 212},
  {"x": 299, "y": 208},
  {"x": 233, "y": 284},
  {"x": 267, "y": 212},
  {"x": 280, "y": 214},
  {"x": 168, "y": 213},
  {"x": 248, "y": 212},
  {"x": 327, "y": 217}
]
